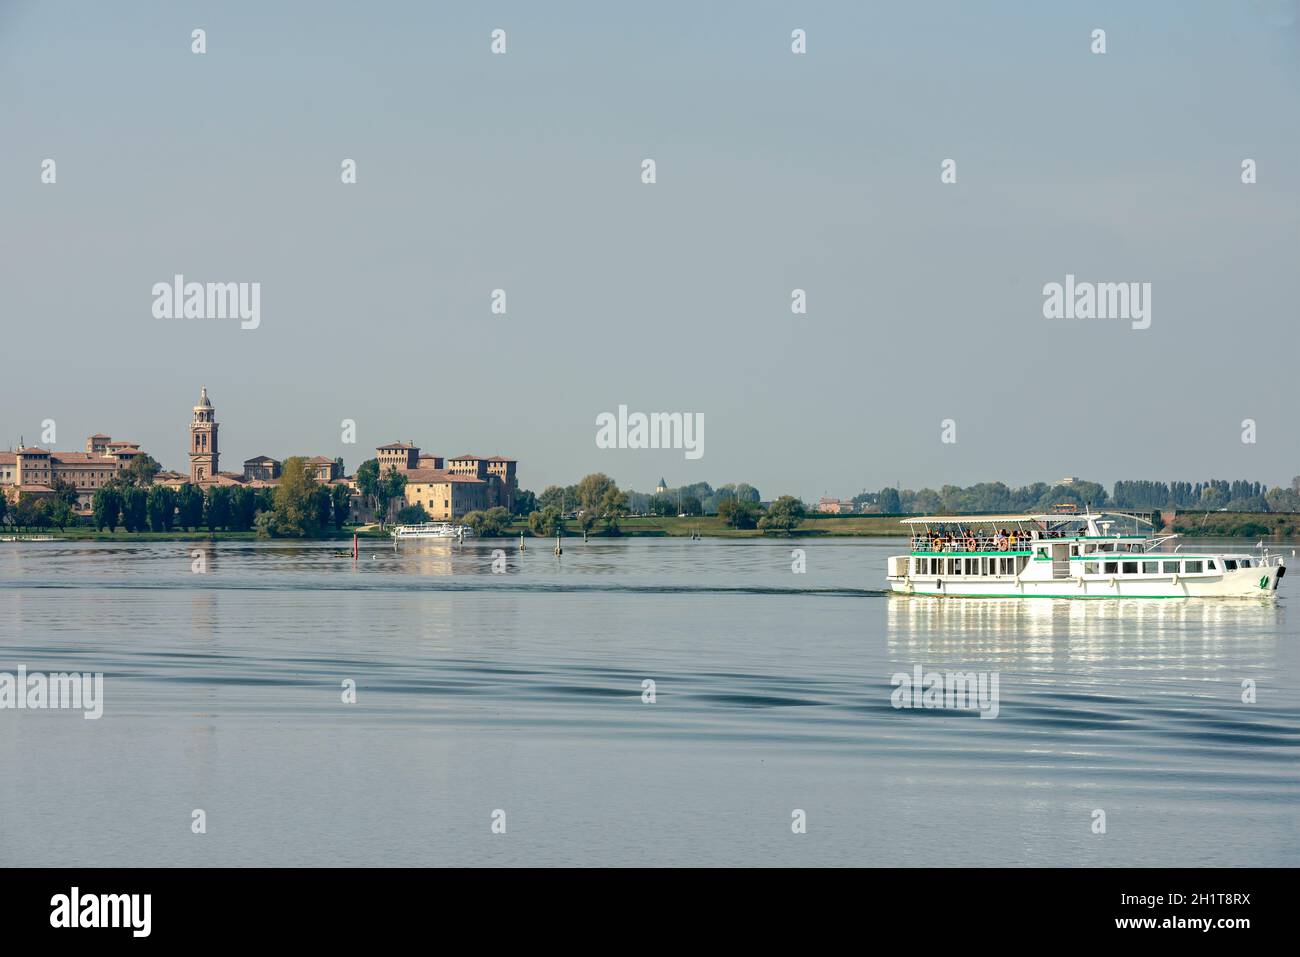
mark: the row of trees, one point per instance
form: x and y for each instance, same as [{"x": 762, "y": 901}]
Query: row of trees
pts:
[
  {"x": 595, "y": 500},
  {"x": 997, "y": 497},
  {"x": 779, "y": 518},
  {"x": 298, "y": 506},
  {"x": 697, "y": 499},
  {"x": 55, "y": 512},
  {"x": 1238, "y": 496}
]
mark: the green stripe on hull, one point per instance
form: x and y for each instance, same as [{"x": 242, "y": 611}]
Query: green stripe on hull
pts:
[{"x": 935, "y": 594}]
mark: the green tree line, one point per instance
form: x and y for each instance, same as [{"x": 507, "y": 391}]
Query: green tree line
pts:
[
  {"x": 1211, "y": 495},
  {"x": 297, "y": 507}
]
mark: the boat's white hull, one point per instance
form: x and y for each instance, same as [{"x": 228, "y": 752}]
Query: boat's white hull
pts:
[{"x": 1260, "y": 581}]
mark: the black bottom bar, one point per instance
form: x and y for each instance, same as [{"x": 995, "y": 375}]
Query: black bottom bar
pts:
[{"x": 372, "y": 906}]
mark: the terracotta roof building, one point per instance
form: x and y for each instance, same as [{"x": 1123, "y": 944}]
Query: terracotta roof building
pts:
[
  {"x": 31, "y": 470},
  {"x": 469, "y": 482}
]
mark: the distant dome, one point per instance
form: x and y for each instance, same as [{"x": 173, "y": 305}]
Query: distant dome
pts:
[{"x": 204, "y": 402}]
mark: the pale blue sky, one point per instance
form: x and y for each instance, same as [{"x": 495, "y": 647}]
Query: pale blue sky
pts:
[{"x": 775, "y": 171}]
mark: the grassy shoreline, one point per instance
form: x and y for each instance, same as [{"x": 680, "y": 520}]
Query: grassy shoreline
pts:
[
  {"x": 711, "y": 526},
  {"x": 92, "y": 535},
  {"x": 1191, "y": 524}
]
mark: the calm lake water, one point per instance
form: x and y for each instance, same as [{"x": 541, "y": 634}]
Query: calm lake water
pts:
[{"x": 522, "y": 692}]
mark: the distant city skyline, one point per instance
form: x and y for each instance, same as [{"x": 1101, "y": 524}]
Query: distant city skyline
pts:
[
  {"x": 232, "y": 463},
  {"x": 775, "y": 172}
]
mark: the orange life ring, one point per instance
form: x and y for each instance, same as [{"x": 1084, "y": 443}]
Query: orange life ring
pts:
[
  {"x": 971, "y": 545},
  {"x": 1002, "y": 543}
]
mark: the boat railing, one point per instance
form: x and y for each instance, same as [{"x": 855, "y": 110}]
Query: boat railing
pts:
[{"x": 971, "y": 543}]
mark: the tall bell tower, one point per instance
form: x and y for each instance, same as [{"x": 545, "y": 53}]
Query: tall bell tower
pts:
[{"x": 203, "y": 441}]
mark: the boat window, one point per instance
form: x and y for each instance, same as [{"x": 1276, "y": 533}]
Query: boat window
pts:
[
  {"x": 972, "y": 566},
  {"x": 956, "y": 566},
  {"x": 1170, "y": 568},
  {"x": 1074, "y": 550},
  {"x": 1130, "y": 568},
  {"x": 1112, "y": 568},
  {"x": 1210, "y": 565},
  {"x": 1193, "y": 568},
  {"x": 1245, "y": 563},
  {"x": 1090, "y": 568},
  {"x": 1229, "y": 565},
  {"x": 1150, "y": 568}
]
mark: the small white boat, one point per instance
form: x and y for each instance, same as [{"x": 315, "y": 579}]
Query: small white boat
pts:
[
  {"x": 430, "y": 530},
  {"x": 1063, "y": 555}
]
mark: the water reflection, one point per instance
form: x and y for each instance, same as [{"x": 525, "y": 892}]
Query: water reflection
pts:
[
  {"x": 1151, "y": 634},
  {"x": 203, "y": 614},
  {"x": 223, "y": 689}
]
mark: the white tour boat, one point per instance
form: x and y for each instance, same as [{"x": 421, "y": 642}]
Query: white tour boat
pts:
[
  {"x": 1070, "y": 555},
  {"x": 428, "y": 530}
]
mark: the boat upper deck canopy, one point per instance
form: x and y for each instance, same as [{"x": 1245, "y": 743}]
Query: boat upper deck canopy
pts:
[
  {"x": 978, "y": 519},
  {"x": 1052, "y": 517}
]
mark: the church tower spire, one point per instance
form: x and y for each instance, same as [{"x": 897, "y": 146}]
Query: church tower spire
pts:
[{"x": 203, "y": 440}]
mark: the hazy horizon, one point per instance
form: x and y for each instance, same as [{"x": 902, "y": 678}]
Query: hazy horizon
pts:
[{"x": 775, "y": 171}]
